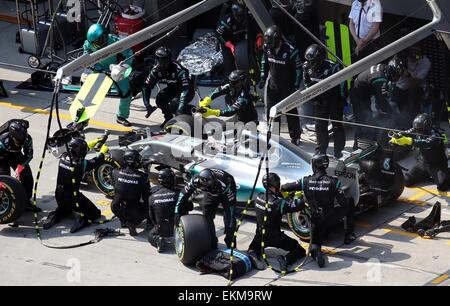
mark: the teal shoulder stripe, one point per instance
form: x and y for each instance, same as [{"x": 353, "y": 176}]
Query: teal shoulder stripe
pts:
[
  {"x": 225, "y": 24},
  {"x": 283, "y": 203},
  {"x": 338, "y": 184},
  {"x": 294, "y": 53},
  {"x": 380, "y": 80}
]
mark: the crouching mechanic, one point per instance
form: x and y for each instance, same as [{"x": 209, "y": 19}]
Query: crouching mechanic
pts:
[
  {"x": 162, "y": 202},
  {"x": 218, "y": 187},
  {"x": 237, "y": 97},
  {"x": 433, "y": 159},
  {"x": 273, "y": 236},
  {"x": 173, "y": 99},
  {"x": 72, "y": 168},
  {"x": 320, "y": 191},
  {"x": 16, "y": 152},
  {"x": 98, "y": 38},
  {"x": 132, "y": 189}
]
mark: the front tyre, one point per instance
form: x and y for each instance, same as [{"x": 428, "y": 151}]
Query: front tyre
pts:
[
  {"x": 12, "y": 199},
  {"x": 103, "y": 174}
]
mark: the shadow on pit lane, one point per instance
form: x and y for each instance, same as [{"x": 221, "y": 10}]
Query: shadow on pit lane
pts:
[{"x": 362, "y": 252}]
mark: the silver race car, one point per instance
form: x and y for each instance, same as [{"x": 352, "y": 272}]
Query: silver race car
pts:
[{"x": 369, "y": 175}]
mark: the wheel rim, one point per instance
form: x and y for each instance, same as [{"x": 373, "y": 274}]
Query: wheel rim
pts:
[
  {"x": 5, "y": 202},
  {"x": 105, "y": 176},
  {"x": 178, "y": 242},
  {"x": 34, "y": 62},
  {"x": 301, "y": 223}
]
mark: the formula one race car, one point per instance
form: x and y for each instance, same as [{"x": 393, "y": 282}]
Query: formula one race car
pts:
[{"x": 369, "y": 175}]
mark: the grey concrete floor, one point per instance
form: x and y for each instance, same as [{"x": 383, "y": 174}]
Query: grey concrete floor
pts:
[{"x": 383, "y": 254}]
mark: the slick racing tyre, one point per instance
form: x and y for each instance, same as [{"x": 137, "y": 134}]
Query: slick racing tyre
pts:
[
  {"x": 241, "y": 55},
  {"x": 102, "y": 174},
  {"x": 397, "y": 187},
  {"x": 192, "y": 239},
  {"x": 12, "y": 199},
  {"x": 299, "y": 222}
]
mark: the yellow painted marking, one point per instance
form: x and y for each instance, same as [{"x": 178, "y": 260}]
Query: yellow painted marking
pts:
[
  {"x": 103, "y": 203},
  {"x": 416, "y": 202},
  {"x": 417, "y": 196},
  {"x": 448, "y": 243},
  {"x": 432, "y": 191},
  {"x": 107, "y": 212},
  {"x": 65, "y": 116},
  {"x": 399, "y": 232},
  {"x": 365, "y": 225},
  {"x": 440, "y": 279}
]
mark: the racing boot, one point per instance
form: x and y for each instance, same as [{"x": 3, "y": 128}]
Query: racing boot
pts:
[
  {"x": 80, "y": 223},
  {"x": 52, "y": 218},
  {"x": 132, "y": 229},
  {"x": 150, "y": 111},
  {"x": 123, "y": 121},
  {"x": 317, "y": 255},
  {"x": 349, "y": 238},
  {"x": 295, "y": 141}
]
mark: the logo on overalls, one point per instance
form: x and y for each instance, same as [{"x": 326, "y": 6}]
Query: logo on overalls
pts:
[{"x": 387, "y": 164}]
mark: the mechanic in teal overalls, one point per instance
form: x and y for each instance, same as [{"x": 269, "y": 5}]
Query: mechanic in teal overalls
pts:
[{"x": 97, "y": 38}]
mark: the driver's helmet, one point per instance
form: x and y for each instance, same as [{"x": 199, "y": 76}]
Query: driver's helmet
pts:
[
  {"x": 97, "y": 36},
  {"x": 163, "y": 58}
]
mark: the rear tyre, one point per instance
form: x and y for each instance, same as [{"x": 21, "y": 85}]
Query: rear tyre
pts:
[
  {"x": 192, "y": 239},
  {"x": 397, "y": 187},
  {"x": 13, "y": 199}
]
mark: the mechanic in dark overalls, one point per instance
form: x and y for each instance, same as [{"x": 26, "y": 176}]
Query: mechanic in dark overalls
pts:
[
  {"x": 132, "y": 189},
  {"x": 72, "y": 168},
  {"x": 330, "y": 104},
  {"x": 283, "y": 62},
  {"x": 232, "y": 28},
  {"x": 374, "y": 82},
  {"x": 217, "y": 187},
  {"x": 175, "y": 98},
  {"x": 274, "y": 237},
  {"x": 16, "y": 152},
  {"x": 320, "y": 191},
  {"x": 433, "y": 156},
  {"x": 162, "y": 202},
  {"x": 237, "y": 97}
]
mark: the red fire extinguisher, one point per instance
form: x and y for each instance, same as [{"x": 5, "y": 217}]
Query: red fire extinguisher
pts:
[{"x": 129, "y": 22}]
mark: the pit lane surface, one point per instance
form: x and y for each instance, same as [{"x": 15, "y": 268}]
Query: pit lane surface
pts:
[{"x": 383, "y": 254}]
